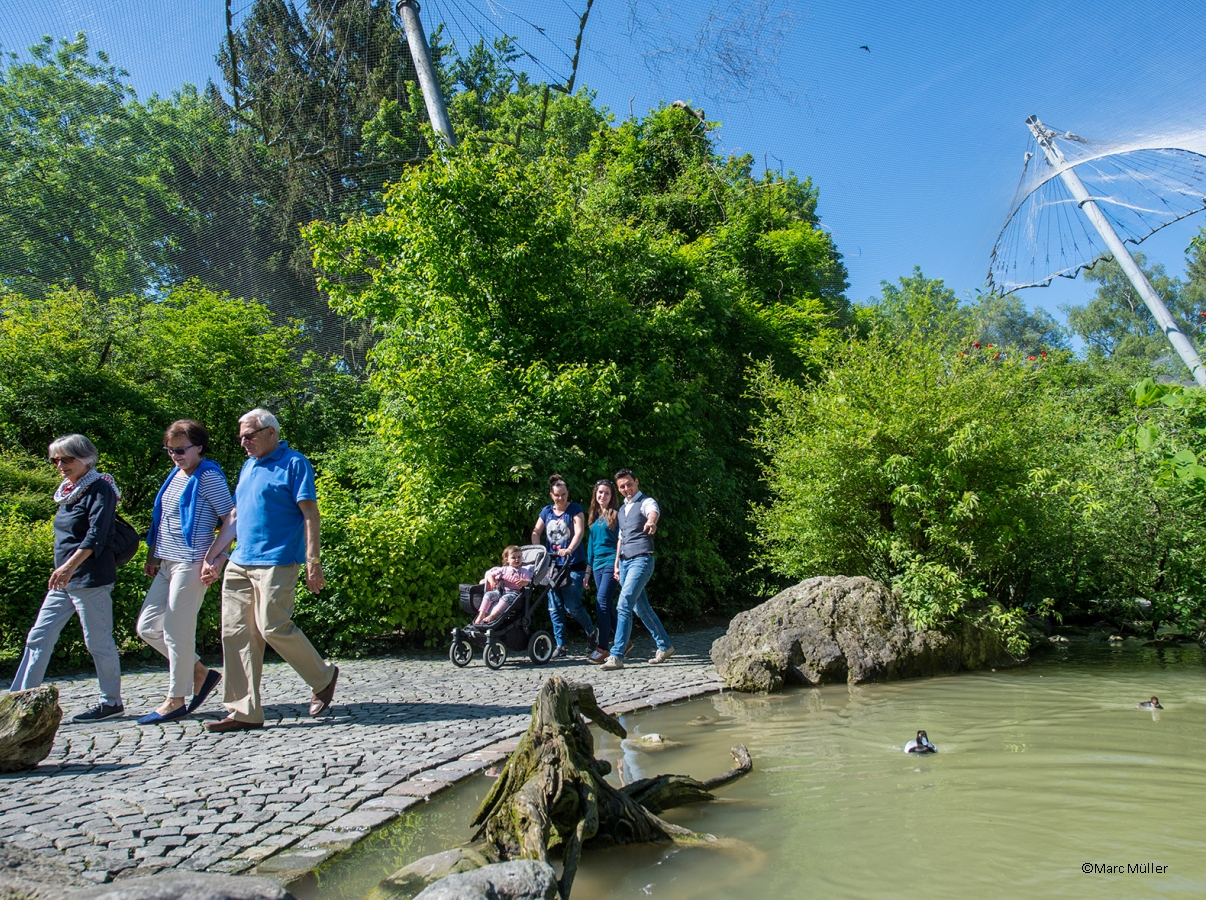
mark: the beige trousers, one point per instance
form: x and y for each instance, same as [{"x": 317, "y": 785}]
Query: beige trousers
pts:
[
  {"x": 257, "y": 609},
  {"x": 168, "y": 621}
]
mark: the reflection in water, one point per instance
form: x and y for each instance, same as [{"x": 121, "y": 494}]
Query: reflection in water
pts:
[{"x": 1039, "y": 771}]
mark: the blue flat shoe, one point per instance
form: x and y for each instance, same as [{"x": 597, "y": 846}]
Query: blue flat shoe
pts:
[
  {"x": 211, "y": 681},
  {"x": 153, "y": 718}
]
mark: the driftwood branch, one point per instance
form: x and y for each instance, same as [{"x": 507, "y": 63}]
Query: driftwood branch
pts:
[{"x": 552, "y": 796}]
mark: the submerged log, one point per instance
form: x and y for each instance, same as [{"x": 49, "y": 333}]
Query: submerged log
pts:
[
  {"x": 552, "y": 796},
  {"x": 669, "y": 791}
]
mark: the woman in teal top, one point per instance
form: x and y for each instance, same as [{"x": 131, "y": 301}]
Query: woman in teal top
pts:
[{"x": 603, "y": 536}]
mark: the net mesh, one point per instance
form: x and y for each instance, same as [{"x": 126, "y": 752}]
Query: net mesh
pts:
[{"x": 1140, "y": 184}]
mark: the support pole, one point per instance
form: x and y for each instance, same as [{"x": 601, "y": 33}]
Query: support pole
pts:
[
  {"x": 1185, "y": 349},
  {"x": 421, "y": 54}
]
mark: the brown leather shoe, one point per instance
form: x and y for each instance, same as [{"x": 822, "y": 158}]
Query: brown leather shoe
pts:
[
  {"x": 229, "y": 724},
  {"x": 321, "y": 701},
  {"x": 598, "y": 657}
]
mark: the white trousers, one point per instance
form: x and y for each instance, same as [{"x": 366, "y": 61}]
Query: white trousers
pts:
[{"x": 168, "y": 621}]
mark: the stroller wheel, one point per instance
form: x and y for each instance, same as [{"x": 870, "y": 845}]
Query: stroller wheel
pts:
[
  {"x": 495, "y": 654},
  {"x": 540, "y": 647},
  {"x": 461, "y": 652}
]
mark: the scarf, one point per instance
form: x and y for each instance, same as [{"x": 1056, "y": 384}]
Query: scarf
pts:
[{"x": 68, "y": 493}]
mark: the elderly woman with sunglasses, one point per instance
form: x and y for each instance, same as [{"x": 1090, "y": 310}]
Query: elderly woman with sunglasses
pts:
[
  {"x": 83, "y": 578},
  {"x": 191, "y": 504}
]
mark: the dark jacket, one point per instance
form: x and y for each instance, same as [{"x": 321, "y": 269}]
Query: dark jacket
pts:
[{"x": 88, "y": 524}]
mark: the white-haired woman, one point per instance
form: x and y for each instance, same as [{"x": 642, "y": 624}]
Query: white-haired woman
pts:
[{"x": 83, "y": 577}]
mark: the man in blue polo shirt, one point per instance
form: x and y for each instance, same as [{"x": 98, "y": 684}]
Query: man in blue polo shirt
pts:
[{"x": 275, "y": 521}]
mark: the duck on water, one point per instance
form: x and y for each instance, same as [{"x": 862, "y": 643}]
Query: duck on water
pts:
[{"x": 920, "y": 744}]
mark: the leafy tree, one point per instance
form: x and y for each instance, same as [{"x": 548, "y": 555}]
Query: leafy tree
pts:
[
  {"x": 547, "y": 313},
  {"x": 1117, "y": 323},
  {"x": 79, "y": 204},
  {"x": 984, "y": 488},
  {"x": 332, "y": 95},
  {"x": 120, "y": 371},
  {"x": 921, "y": 305},
  {"x": 910, "y": 465},
  {"x": 1005, "y": 322}
]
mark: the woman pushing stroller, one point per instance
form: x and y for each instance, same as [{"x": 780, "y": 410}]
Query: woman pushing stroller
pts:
[{"x": 562, "y": 528}]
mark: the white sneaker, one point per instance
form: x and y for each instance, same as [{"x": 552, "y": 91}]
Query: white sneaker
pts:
[
  {"x": 612, "y": 663},
  {"x": 661, "y": 656}
]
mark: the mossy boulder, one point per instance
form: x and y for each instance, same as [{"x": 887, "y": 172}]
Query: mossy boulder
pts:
[
  {"x": 834, "y": 629},
  {"x": 28, "y": 723}
]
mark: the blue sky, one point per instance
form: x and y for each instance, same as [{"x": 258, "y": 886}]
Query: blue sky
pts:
[{"x": 916, "y": 144}]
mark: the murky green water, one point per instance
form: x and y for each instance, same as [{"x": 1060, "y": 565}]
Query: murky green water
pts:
[{"x": 1040, "y": 771}]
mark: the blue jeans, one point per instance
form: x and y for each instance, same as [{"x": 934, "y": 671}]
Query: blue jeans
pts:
[
  {"x": 568, "y": 598},
  {"x": 606, "y": 587},
  {"x": 634, "y": 575},
  {"x": 95, "y": 609}
]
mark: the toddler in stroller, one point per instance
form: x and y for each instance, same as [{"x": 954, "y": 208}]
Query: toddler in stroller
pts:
[
  {"x": 502, "y": 606},
  {"x": 503, "y": 584}
]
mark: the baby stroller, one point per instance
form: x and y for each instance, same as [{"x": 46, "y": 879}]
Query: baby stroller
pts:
[{"x": 510, "y": 632}]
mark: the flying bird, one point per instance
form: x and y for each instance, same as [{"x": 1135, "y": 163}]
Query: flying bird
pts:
[{"x": 865, "y": 47}]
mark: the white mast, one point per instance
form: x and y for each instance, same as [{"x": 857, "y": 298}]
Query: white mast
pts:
[{"x": 1046, "y": 139}]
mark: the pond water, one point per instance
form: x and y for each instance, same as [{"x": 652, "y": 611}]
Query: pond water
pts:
[{"x": 1040, "y": 771}]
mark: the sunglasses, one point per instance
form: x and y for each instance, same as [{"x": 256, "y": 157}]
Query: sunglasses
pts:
[
  {"x": 57, "y": 460},
  {"x": 178, "y": 451},
  {"x": 249, "y": 435}
]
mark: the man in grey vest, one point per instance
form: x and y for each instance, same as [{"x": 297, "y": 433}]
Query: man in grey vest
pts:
[{"x": 634, "y": 565}]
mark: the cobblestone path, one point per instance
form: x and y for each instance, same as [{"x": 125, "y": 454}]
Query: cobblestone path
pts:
[{"x": 115, "y": 797}]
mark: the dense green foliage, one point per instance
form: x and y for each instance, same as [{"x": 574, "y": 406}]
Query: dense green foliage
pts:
[
  {"x": 551, "y": 312},
  {"x": 983, "y": 483},
  {"x": 558, "y": 293},
  {"x": 120, "y": 371},
  {"x": 1117, "y": 324}
]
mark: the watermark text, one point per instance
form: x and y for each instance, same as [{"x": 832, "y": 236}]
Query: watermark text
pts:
[{"x": 1147, "y": 868}]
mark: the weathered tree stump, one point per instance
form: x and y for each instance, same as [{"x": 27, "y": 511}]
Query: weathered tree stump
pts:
[{"x": 552, "y": 795}]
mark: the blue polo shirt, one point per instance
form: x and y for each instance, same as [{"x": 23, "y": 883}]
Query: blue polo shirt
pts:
[{"x": 269, "y": 526}]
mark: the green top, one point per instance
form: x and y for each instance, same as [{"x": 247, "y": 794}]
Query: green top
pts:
[{"x": 601, "y": 544}]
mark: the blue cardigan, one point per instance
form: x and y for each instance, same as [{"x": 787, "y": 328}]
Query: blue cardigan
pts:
[{"x": 188, "y": 503}]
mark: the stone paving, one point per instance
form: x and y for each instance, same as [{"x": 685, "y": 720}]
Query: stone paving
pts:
[{"x": 115, "y": 798}]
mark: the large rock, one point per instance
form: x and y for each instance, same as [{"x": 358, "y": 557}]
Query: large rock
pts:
[
  {"x": 25, "y": 875},
  {"x": 830, "y": 629},
  {"x": 412, "y": 879},
  {"x": 521, "y": 879},
  {"x": 181, "y": 885},
  {"x": 28, "y": 722}
]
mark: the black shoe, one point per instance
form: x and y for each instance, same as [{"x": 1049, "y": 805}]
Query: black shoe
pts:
[
  {"x": 100, "y": 711},
  {"x": 592, "y": 641}
]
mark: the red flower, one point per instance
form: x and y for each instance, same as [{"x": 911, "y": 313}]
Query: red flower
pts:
[
  {"x": 976, "y": 344},
  {"x": 1032, "y": 358},
  {"x": 998, "y": 356},
  {"x": 1043, "y": 354},
  {"x": 990, "y": 346}
]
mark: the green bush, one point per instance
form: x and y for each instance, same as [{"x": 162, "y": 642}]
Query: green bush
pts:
[
  {"x": 393, "y": 570},
  {"x": 912, "y": 466}
]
